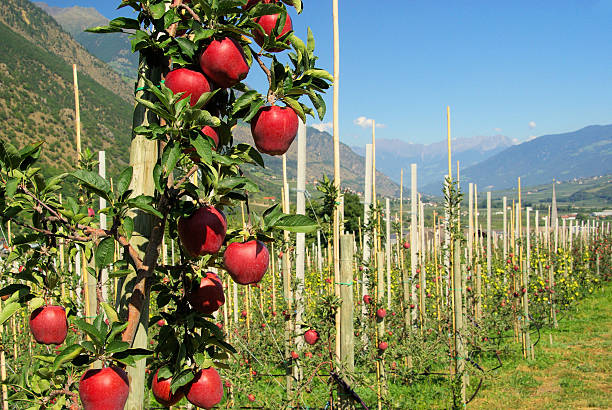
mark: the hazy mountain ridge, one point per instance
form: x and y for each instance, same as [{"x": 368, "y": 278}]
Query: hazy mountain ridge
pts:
[
  {"x": 432, "y": 160},
  {"x": 319, "y": 148},
  {"x": 113, "y": 48}
]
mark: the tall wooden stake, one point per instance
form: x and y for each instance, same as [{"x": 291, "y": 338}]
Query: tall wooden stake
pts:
[{"x": 347, "y": 343}]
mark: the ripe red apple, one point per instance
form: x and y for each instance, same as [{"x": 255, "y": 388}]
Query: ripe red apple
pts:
[
  {"x": 91, "y": 212},
  {"x": 208, "y": 297},
  {"x": 294, "y": 355},
  {"x": 406, "y": 245},
  {"x": 243, "y": 313},
  {"x": 223, "y": 61},
  {"x": 268, "y": 22},
  {"x": 246, "y": 262},
  {"x": 274, "y": 128},
  {"x": 206, "y": 389},
  {"x": 161, "y": 322},
  {"x": 104, "y": 389},
  {"x": 412, "y": 306},
  {"x": 203, "y": 232},
  {"x": 381, "y": 313},
  {"x": 192, "y": 83},
  {"x": 311, "y": 336},
  {"x": 308, "y": 354},
  {"x": 361, "y": 268},
  {"x": 383, "y": 346},
  {"x": 48, "y": 325},
  {"x": 163, "y": 393},
  {"x": 367, "y": 299},
  {"x": 251, "y": 397}
]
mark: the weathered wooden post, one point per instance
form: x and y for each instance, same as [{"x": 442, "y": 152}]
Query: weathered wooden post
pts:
[
  {"x": 412, "y": 317},
  {"x": 300, "y": 237},
  {"x": 347, "y": 343},
  {"x": 388, "y": 250},
  {"x": 366, "y": 220},
  {"x": 526, "y": 273},
  {"x": 143, "y": 156}
]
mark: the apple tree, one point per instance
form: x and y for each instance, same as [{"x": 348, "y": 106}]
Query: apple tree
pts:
[{"x": 185, "y": 173}]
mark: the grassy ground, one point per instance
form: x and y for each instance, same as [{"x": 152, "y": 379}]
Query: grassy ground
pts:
[{"x": 574, "y": 372}]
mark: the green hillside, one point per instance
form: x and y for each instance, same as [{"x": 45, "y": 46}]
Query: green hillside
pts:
[
  {"x": 37, "y": 103},
  {"x": 39, "y": 28}
]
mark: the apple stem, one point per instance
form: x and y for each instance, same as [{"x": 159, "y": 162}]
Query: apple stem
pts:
[
  {"x": 271, "y": 96},
  {"x": 189, "y": 10}
]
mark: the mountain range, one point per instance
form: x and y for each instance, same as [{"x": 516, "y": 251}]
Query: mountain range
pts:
[
  {"x": 432, "y": 159},
  {"x": 36, "y": 102},
  {"x": 577, "y": 154},
  {"x": 114, "y": 48}
]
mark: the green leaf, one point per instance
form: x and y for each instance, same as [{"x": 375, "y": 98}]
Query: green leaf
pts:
[
  {"x": 203, "y": 147},
  {"x": 296, "y": 223},
  {"x": 245, "y": 100},
  {"x": 318, "y": 73},
  {"x": 158, "y": 10},
  {"x": 124, "y": 23},
  {"x": 116, "y": 328},
  {"x": 134, "y": 354},
  {"x": 128, "y": 226},
  {"x": 36, "y": 303},
  {"x": 319, "y": 103},
  {"x": 234, "y": 182},
  {"x": 11, "y": 187},
  {"x": 170, "y": 157},
  {"x": 178, "y": 381},
  {"x": 143, "y": 202},
  {"x": 94, "y": 182},
  {"x": 103, "y": 29},
  {"x": 123, "y": 182},
  {"x": 187, "y": 46},
  {"x": 66, "y": 355},
  {"x": 105, "y": 253},
  {"x": 296, "y": 107},
  {"x": 96, "y": 337},
  {"x": 310, "y": 42},
  {"x": 117, "y": 346},
  {"x": 8, "y": 311},
  {"x": 262, "y": 9},
  {"x": 202, "y": 34},
  {"x": 110, "y": 311}
]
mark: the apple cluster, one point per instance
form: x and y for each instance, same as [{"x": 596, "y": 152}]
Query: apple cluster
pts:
[{"x": 223, "y": 64}]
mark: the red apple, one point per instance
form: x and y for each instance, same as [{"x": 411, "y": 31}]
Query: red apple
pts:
[
  {"x": 294, "y": 355},
  {"x": 192, "y": 83},
  {"x": 104, "y": 389},
  {"x": 203, "y": 232},
  {"x": 308, "y": 354},
  {"x": 361, "y": 268},
  {"x": 246, "y": 262},
  {"x": 163, "y": 393},
  {"x": 268, "y": 22},
  {"x": 48, "y": 325},
  {"x": 91, "y": 212},
  {"x": 251, "y": 397},
  {"x": 311, "y": 336},
  {"x": 206, "y": 389},
  {"x": 367, "y": 299},
  {"x": 223, "y": 61},
  {"x": 208, "y": 297},
  {"x": 406, "y": 245},
  {"x": 161, "y": 322},
  {"x": 383, "y": 346},
  {"x": 381, "y": 313},
  {"x": 212, "y": 133},
  {"x": 274, "y": 128}
]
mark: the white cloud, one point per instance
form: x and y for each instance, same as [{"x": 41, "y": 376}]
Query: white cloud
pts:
[
  {"x": 497, "y": 130},
  {"x": 515, "y": 141},
  {"x": 364, "y": 122},
  {"x": 323, "y": 127},
  {"x": 531, "y": 137},
  {"x": 532, "y": 124}
]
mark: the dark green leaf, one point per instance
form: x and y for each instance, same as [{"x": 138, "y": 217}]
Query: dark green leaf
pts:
[
  {"x": 143, "y": 202},
  {"x": 105, "y": 253},
  {"x": 123, "y": 182},
  {"x": 94, "y": 182},
  {"x": 178, "y": 381},
  {"x": 68, "y": 354},
  {"x": 296, "y": 223}
]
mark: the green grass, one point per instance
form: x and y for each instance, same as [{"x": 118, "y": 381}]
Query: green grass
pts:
[{"x": 574, "y": 372}]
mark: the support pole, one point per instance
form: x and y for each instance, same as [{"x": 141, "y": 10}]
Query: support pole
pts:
[{"x": 347, "y": 342}]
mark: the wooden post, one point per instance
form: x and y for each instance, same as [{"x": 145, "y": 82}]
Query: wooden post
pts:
[
  {"x": 458, "y": 302},
  {"x": 143, "y": 156},
  {"x": 388, "y": 250},
  {"x": 489, "y": 234},
  {"x": 526, "y": 273},
  {"x": 300, "y": 241},
  {"x": 77, "y": 113},
  {"x": 366, "y": 220},
  {"x": 336, "y": 138},
  {"x": 102, "y": 172},
  {"x": 413, "y": 244},
  {"x": 470, "y": 240},
  {"x": 347, "y": 343},
  {"x": 505, "y": 238},
  {"x": 287, "y": 292}
]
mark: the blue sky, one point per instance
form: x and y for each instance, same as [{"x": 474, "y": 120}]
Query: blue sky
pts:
[{"x": 519, "y": 68}]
